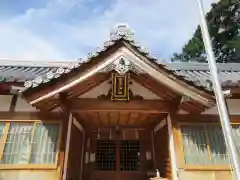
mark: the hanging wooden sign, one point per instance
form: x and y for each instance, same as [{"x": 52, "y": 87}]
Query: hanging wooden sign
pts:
[{"x": 120, "y": 86}]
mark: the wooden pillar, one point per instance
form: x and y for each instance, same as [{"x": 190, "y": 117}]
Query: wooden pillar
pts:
[
  {"x": 70, "y": 127},
  {"x": 81, "y": 129},
  {"x": 67, "y": 147},
  {"x": 173, "y": 134},
  {"x": 64, "y": 119},
  {"x": 83, "y": 154},
  {"x": 172, "y": 147},
  {"x": 153, "y": 149}
]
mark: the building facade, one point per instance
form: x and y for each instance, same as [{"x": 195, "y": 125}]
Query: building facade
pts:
[{"x": 120, "y": 114}]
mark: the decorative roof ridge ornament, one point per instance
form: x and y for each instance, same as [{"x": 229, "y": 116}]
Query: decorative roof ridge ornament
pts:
[
  {"x": 122, "y": 64},
  {"x": 122, "y": 31}
]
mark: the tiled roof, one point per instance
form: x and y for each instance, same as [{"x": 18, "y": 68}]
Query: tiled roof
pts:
[
  {"x": 33, "y": 73},
  {"x": 199, "y": 73},
  {"x": 22, "y": 71}
]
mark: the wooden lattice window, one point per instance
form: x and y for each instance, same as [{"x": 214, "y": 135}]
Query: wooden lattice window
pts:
[
  {"x": 29, "y": 143},
  {"x": 106, "y": 155},
  {"x": 129, "y": 155},
  {"x": 204, "y": 144},
  {"x": 118, "y": 155}
]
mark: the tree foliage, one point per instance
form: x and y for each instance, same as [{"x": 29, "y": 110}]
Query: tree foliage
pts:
[{"x": 224, "y": 28}]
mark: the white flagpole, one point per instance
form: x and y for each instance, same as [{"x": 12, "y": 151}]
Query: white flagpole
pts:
[{"x": 221, "y": 104}]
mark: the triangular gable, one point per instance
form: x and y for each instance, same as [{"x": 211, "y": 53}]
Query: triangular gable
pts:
[{"x": 108, "y": 59}]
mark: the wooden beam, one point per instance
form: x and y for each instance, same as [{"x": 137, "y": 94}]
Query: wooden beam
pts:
[
  {"x": 192, "y": 107},
  {"x": 62, "y": 101},
  {"x": 151, "y": 106},
  {"x": 13, "y": 103},
  {"x": 120, "y": 127}
]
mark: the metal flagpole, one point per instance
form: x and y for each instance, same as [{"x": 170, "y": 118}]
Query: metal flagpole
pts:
[{"x": 222, "y": 109}]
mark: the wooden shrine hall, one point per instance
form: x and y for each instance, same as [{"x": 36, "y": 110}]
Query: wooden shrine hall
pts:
[{"x": 118, "y": 115}]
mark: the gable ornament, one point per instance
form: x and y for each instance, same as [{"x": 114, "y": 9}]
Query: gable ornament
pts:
[{"x": 122, "y": 65}]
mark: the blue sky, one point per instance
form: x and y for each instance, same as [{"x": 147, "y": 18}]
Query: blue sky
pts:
[{"x": 69, "y": 29}]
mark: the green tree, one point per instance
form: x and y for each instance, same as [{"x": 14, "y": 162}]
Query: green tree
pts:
[{"x": 224, "y": 28}]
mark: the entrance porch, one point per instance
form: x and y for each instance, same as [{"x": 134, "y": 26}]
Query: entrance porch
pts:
[{"x": 121, "y": 140}]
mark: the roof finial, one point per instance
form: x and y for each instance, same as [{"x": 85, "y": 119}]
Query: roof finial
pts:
[{"x": 122, "y": 30}]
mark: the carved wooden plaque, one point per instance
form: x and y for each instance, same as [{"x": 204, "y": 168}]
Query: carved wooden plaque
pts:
[{"x": 120, "y": 87}]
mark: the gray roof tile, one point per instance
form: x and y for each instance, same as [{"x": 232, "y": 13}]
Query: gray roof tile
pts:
[
  {"x": 199, "y": 73},
  {"x": 21, "y": 71}
]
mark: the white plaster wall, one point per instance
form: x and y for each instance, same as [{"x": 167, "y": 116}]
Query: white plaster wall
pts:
[
  {"x": 233, "y": 106},
  {"x": 144, "y": 92},
  {"x": 5, "y": 102},
  {"x": 135, "y": 87},
  {"x": 99, "y": 90},
  {"x": 23, "y": 106}
]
